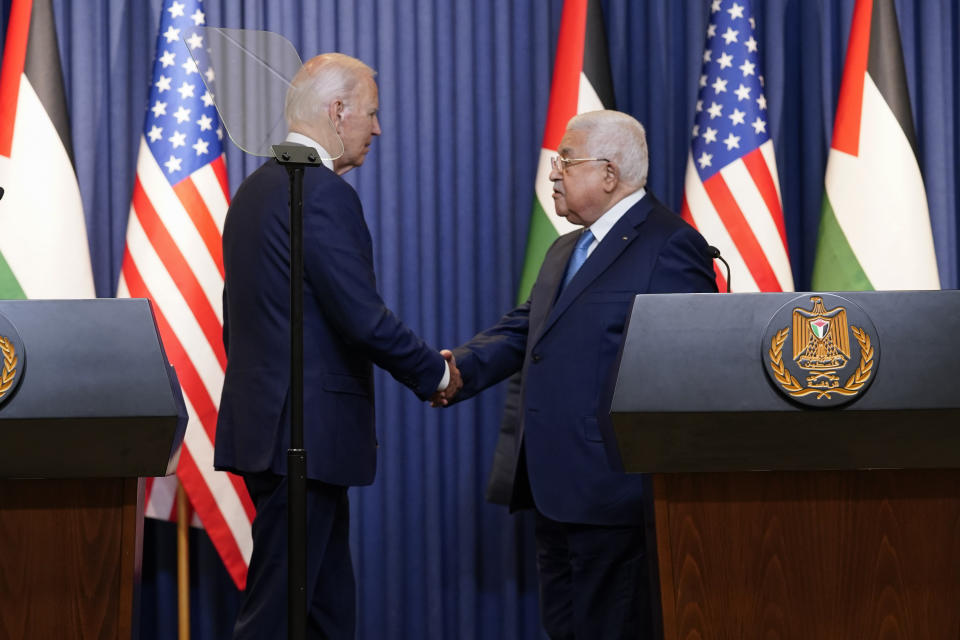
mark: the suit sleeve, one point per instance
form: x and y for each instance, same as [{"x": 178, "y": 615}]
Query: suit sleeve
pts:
[
  {"x": 338, "y": 262},
  {"x": 682, "y": 266},
  {"x": 495, "y": 354}
]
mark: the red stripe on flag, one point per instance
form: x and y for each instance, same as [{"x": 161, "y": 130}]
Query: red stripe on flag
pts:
[
  {"x": 213, "y": 521},
  {"x": 14, "y": 54},
  {"x": 686, "y": 215},
  {"x": 565, "y": 85},
  {"x": 846, "y": 127},
  {"x": 760, "y": 172},
  {"x": 220, "y": 170},
  {"x": 740, "y": 232},
  {"x": 147, "y": 490},
  {"x": 179, "y": 270},
  {"x": 197, "y": 209},
  {"x": 187, "y": 373}
]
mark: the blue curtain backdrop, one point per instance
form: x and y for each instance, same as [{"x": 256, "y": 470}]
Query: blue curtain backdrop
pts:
[{"x": 447, "y": 191}]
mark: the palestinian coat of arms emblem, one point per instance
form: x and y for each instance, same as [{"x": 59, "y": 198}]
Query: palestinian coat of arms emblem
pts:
[
  {"x": 822, "y": 356},
  {"x": 12, "y": 359}
]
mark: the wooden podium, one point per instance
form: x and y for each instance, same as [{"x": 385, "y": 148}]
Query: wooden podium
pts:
[
  {"x": 97, "y": 408},
  {"x": 777, "y": 520}
]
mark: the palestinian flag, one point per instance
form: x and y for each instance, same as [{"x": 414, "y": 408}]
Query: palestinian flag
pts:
[
  {"x": 875, "y": 229},
  {"x": 43, "y": 235},
  {"x": 581, "y": 82}
]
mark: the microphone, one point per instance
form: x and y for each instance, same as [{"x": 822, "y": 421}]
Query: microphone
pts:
[
  {"x": 1, "y": 193},
  {"x": 714, "y": 254}
]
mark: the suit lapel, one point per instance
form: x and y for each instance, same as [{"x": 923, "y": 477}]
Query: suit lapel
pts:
[
  {"x": 552, "y": 270},
  {"x": 614, "y": 243}
]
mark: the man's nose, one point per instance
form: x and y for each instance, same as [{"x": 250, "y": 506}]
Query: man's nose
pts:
[{"x": 376, "y": 126}]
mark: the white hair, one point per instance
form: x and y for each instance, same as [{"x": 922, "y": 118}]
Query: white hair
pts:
[
  {"x": 321, "y": 80},
  {"x": 618, "y": 137}
]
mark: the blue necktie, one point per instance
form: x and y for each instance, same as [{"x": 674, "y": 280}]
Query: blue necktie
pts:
[{"x": 579, "y": 256}]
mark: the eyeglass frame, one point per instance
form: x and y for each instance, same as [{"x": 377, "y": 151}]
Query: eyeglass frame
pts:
[{"x": 566, "y": 163}]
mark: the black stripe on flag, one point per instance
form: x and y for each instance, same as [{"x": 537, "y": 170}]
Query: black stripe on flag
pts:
[
  {"x": 886, "y": 68},
  {"x": 596, "y": 60},
  {"x": 42, "y": 67}
]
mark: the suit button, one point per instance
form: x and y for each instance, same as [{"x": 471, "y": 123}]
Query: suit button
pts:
[{"x": 536, "y": 357}]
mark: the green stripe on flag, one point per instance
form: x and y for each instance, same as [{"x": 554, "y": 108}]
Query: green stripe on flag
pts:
[
  {"x": 9, "y": 287},
  {"x": 836, "y": 267},
  {"x": 542, "y": 235}
]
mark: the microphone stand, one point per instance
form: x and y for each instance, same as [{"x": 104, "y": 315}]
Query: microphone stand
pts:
[{"x": 295, "y": 158}]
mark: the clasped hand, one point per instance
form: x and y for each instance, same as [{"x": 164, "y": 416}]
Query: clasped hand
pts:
[{"x": 443, "y": 398}]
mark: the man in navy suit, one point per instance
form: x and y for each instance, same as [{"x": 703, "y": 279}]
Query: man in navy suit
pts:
[
  {"x": 564, "y": 339},
  {"x": 347, "y": 328}
]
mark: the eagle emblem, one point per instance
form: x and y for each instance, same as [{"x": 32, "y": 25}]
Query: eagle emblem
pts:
[{"x": 821, "y": 353}]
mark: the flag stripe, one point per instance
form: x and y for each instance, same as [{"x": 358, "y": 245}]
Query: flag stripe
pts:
[
  {"x": 760, "y": 173},
  {"x": 846, "y": 126},
  {"x": 596, "y": 63},
  {"x": 176, "y": 265},
  {"x": 540, "y": 237},
  {"x": 41, "y": 66},
  {"x": 219, "y": 168},
  {"x": 196, "y": 208},
  {"x": 207, "y": 182},
  {"x": 565, "y": 86},
  {"x": 836, "y": 267},
  {"x": 201, "y": 406},
  {"x": 886, "y": 68},
  {"x": 14, "y": 55}
]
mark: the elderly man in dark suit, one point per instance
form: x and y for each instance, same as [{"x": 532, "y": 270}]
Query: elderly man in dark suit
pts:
[
  {"x": 347, "y": 329},
  {"x": 564, "y": 339}
]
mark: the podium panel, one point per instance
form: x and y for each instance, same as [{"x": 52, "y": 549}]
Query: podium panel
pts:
[{"x": 778, "y": 518}]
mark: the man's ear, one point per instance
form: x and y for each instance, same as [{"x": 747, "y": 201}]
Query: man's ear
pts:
[
  {"x": 611, "y": 178},
  {"x": 335, "y": 111}
]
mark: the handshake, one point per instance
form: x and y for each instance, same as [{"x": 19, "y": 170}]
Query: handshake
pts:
[{"x": 443, "y": 398}]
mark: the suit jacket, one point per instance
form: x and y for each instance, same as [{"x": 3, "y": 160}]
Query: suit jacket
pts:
[
  {"x": 566, "y": 344},
  {"x": 346, "y": 329}
]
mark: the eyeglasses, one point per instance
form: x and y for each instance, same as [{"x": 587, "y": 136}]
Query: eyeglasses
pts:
[{"x": 561, "y": 164}]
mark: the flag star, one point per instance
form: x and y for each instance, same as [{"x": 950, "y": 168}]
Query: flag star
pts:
[
  {"x": 176, "y": 9},
  {"x": 747, "y": 68},
  {"x": 710, "y": 135},
  {"x": 707, "y": 55},
  {"x": 699, "y": 106},
  {"x": 711, "y": 30},
  {"x": 730, "y": 36},
  {"x": 159, "y": 109},
  {"x": 167, "y": 58},
  {"x": 751, "y": 45},
  {"x": 190, "y": 66},
  {"x": 186, "y": 90},
  {"x": 162, "y": 84},
  {"x": 703, "y": 80},
  {"x": 171, "y": 34},
  {"x": 195, "y": 40},
  {"x": 737, "y": 116},
  {"x": 155, "y": 133},
  {"x": 178, "y": 139},
  {"x": 715, "y": 110},
  {"x": 732, "y": 142},
  {"x": 205, "y": 121},
  {"x": 209, "y": 74},
  {"x": 182, "y": 115},
  {"x": 743, "y": 93},
  {"x": 719, "y": 85},
  {"x": 753, "y": 23},
  {"x": 219, "y": 133},
  {"x": 696, "y": 130},
  {"x": 705, "y": 160},
  {"x": 715, "y": 6},
  {"x": 736, "y": 11},
  {"x": 198, "y": 18},
  {"x": 759, "y": 126},
  {"x": 207, "y": 98},
  {"x": 762, "y": 102},
  {"x": 201, "y": 146},
  {"x": 726, "y": 60},
  {"x": 173, "y": 164}
]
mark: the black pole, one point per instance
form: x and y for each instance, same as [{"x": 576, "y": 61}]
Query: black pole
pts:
[{"x": 295, "y": 158}]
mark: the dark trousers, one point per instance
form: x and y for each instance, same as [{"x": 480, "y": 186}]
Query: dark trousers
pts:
[
  {"x": 331, "y": 588},
  {"x": 593, "y": 581}
]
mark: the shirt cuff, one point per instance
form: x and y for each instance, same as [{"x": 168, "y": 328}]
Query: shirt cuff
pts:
[{"x": 445, "y": 380}]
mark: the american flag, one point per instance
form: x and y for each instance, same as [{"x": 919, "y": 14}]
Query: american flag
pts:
[
  {"x": 174, "y": 257},
  {"x": 732, "y": 192}
]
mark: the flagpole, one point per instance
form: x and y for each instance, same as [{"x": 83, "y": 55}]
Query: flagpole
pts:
[{"x": 183, "y": 564}]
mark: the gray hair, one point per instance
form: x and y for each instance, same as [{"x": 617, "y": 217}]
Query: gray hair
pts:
[
  {"x": 619, "y": 138},
  {"x": 321, "y": 80}
]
